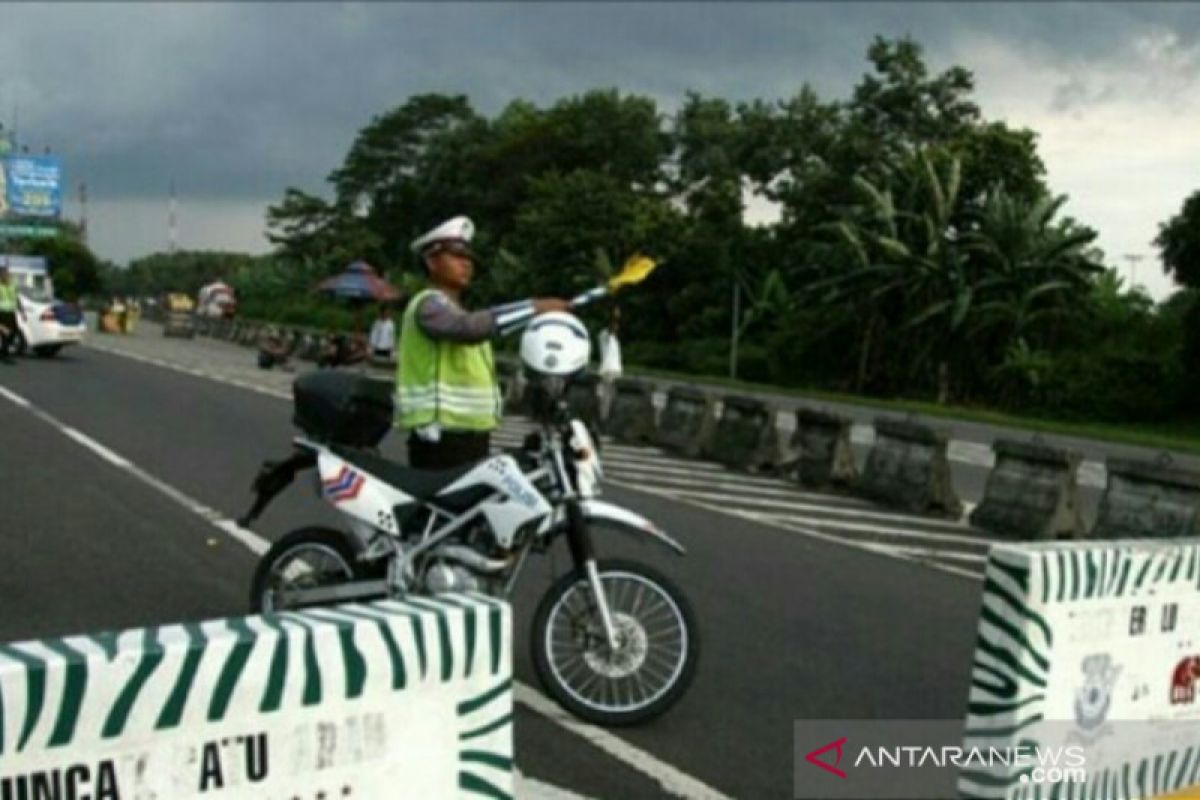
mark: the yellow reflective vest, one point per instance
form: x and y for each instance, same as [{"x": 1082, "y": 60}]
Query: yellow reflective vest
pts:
[
  {"x": 450, "y": 383},
  {"x": 8, "y": 297}
]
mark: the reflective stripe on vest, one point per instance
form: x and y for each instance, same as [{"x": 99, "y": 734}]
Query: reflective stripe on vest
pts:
[
  {"x": 8, "y": 297},
  {"x": 451, "y": 383}
]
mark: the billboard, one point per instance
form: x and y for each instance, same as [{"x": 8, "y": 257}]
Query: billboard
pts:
[
  {"x": 30, "y": 186},
  {"x": 23, "y": 263}
]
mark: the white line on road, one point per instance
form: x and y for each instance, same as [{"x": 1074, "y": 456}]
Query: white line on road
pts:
[
  {"x": 952, "y": 530},
  {"x": 672, "y": 780},
  {"x": 749, "y": 492},
  {"x": 97, "y": 448},
  {"x": 16, "y": 398},
  {"x": 773, "y": 520},
  {"x": 527, "y": 788}
]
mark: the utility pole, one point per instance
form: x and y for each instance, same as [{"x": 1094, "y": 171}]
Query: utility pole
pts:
[
  {"x": 1134, "y": 259},
  {"x": 172, "y": 231},
  {"x": 83, "y": 222},
  {"x": 737, "y": 320}
]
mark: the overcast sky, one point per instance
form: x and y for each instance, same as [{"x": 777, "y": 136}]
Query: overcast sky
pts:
[{"x": 237, "y": 101}]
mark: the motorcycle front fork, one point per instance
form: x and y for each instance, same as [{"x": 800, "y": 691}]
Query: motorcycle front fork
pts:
[{"x": 584, "y": 555}]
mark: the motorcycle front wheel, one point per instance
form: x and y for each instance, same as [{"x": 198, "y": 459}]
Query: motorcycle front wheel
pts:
[{"x": 658, "y": 645}]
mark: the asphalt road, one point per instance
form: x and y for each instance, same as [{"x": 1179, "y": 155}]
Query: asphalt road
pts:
[{"x": 792, "y": 626}]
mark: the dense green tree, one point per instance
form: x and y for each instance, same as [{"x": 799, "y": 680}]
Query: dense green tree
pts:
[
  {"x": 1178, "y": 242},
  {"x": 918, "y": 249}
]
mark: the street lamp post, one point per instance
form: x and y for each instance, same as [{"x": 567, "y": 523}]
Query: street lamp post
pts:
[{"x": 1134, "y": 259}]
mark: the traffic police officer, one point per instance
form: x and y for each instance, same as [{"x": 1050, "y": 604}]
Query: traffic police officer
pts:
[{"x": 448, "y": 396}]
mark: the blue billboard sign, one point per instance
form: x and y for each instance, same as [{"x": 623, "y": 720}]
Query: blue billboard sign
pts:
[
  {"x": 30, "y": 186},
  {"x": 23, "y": 263}
]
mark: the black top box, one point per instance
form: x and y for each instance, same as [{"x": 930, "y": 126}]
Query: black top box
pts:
[{"x": 341, "y": 408}]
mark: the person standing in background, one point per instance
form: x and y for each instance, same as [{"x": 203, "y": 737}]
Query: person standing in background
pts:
[
  {"x": 383, "y": 335},
  {"x": 610, "y": 356}
]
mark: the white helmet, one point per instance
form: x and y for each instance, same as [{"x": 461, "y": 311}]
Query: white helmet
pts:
[{"x": 555, "y": 343}]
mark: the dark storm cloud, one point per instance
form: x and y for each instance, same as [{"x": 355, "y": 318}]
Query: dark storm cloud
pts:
[
  {"x": 238, "y": 101},
  {"x": 241, "y": 100}
]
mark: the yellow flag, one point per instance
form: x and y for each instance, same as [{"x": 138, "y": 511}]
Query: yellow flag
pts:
[{"x": 633, "y": 271}]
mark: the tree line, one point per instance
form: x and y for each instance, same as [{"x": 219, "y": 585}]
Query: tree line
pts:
[{"x": 915, "y": 250}]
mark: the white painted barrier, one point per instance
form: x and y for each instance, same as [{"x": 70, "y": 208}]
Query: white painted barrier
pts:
[
  {"x": 387, "y": 700},
  {"x": 1087, "y": 653}
]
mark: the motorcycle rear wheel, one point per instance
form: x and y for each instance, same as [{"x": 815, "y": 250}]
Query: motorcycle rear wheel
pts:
[
  {"x": 303, "y": 559},
  {"x": 657, "y": 652}
]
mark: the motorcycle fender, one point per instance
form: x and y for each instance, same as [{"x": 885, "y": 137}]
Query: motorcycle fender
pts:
[{"x": 628, "y": 522}]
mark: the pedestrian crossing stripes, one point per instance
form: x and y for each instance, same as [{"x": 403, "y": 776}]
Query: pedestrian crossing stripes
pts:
[{"x": 947, "y": 545}]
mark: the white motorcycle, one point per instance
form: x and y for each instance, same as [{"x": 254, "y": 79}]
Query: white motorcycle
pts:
[{"x": 614, "y": 642}]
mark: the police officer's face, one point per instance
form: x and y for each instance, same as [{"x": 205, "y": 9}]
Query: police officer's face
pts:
[{"x": 453, "y": 270}]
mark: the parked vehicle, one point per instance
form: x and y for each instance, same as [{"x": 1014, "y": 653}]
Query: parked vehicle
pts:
[
  {"x": 614, "y": 641},
  {"x": 47, "y": 324},
  {"x": 179, "y": 317},
  {"x": 216, "y": 300}
]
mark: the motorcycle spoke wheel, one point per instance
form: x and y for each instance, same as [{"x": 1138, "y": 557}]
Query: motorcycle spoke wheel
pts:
[
  {"x": 652, "y": 644},
  {"x": 306, "y": 566}
]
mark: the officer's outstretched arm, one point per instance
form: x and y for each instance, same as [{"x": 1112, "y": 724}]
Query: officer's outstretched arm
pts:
[{"x": 441, "y": 319}]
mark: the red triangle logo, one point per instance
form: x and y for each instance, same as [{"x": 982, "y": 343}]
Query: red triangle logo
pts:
[{"x": 813, "y": 759}]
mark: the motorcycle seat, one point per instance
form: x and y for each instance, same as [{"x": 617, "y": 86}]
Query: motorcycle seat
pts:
[{"x": 424, "y": 485}]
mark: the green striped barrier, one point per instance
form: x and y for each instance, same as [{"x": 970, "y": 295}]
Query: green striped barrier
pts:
[
  {"x": 387, "y": 700},
  {"x": 1087, "y": 655}
]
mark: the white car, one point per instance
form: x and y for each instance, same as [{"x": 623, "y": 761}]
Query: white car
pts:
[{"x": 47, "y": 325}]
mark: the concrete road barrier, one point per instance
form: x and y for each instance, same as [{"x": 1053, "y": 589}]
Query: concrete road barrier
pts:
[
  {"x": 907, "y": 468},
  {"x": 745, "y": 436},
  {"x": 1031, "y": 493},
  {"x": 1086, "y": 656},
  {"x": 631, "y": 416},
  {"x": 396, "y": 700},
  {"x": 1148, "y": 499},
  {"x": 821, "y": 450},
  {"x": 687, "y": 421},
  {"x": 179, "y": 323},
  {"x": 249, "y": 334}
]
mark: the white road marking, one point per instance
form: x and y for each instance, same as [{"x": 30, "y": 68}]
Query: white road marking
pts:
[
  {"x": 97, "y": 448},
  {"x": 879, "y": 548},
  {"x": 750, "y": 492},
  {"x": 975, "y": 558},
  {"x": 953, "y": 529},
  {"x": 527, "y": 788},
  {"x": 672, "y": 780},
  {"x": 894, "y": 551},
  {"x": 16, "y": 398}
]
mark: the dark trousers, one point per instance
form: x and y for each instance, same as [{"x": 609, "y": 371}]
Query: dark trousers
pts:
[
  {"x": 8, "y": 332},
  {"x": 454, "y": 449}
]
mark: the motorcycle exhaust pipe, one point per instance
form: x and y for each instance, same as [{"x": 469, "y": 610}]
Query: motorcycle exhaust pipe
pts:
[{"x": 469, "y": 558}]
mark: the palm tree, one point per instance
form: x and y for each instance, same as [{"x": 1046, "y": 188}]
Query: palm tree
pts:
[{"x": 966, "y": 287}]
